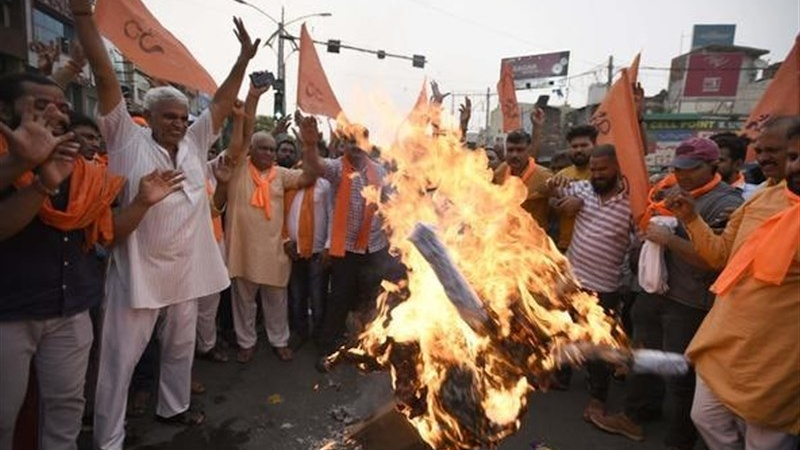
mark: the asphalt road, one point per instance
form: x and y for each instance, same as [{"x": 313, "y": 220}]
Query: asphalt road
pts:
[{"x": 268, "y": 404}]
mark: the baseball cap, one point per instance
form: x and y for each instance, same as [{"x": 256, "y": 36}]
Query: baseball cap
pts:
[{"x": 695, "y": 151}]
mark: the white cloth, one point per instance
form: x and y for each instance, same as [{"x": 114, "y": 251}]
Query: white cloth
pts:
[
  {"x": 653, "y": 276},
  {"x": 323, "y": 213},
  {"x": 274, "y": 304},
  {"x": 172, "y": 255},
  {"x": 207, "y": 322},
  {"x": 60, "y": 350},
  {"x": 126, "y": 332},
  {"x": 721, "y": 429}
]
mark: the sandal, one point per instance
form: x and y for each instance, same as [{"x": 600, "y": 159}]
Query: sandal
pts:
[
  {"x": 284, "y": 353},
  {"x": 187, "y": 418},
  {"x": 198, "y": 388},
  {"x": 213, "y": 355}
]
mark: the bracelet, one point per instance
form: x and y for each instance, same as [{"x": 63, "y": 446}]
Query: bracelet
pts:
[{"x": 42, "y": 189}]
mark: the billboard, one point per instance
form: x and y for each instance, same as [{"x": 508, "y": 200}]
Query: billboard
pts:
[
  {"x": 533, "y": 70},
  {"x": 712, "y": 35},
  {"x": 713, "y": 75}
]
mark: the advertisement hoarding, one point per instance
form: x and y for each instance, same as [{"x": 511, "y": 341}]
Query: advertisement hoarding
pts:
[
  {"x": 713, "y": 74},
  {"x": 532, "y": 70}
]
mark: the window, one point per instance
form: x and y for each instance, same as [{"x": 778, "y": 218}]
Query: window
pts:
[
  {"x": 46, "y": 28},
  {"x": 5, "y": 14}
]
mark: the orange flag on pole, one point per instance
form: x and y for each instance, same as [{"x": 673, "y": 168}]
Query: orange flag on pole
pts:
[
  {"x": 782, "y": 97},
  {"x": 142, "y": 39},
  {"x": 419, "y": 114},
  {"x": 314, "y": 93},
  {"x": 508, "y": 99},
  {"x": 617, "y": 123}
]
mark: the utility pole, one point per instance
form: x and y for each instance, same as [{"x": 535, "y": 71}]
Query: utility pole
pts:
[
  {"x": 280, "y": 97},
  {"x": 610, "y": 72},
  {"x": 488, "y": 107}
]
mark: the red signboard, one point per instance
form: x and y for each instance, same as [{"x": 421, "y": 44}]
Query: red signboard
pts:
[{"x": 713, "y": 75}]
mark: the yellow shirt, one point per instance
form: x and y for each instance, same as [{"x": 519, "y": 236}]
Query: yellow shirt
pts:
[
  {"x": 748, "y": 348},
  {"x": 567, "y": 224},
  {"x": 536, "y": 204},
  {"x": 255, "y": 244}
]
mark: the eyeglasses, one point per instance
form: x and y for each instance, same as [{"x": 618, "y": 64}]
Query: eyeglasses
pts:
[{"x": 40, "y": 104}]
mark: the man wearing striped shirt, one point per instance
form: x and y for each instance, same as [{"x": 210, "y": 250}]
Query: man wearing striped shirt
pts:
[{"x": 600, "y": 241}]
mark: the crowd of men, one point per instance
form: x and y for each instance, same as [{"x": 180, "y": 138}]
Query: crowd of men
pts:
[{"x": 120, "y": 233}]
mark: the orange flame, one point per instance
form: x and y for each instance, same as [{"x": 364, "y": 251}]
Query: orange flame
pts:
[{"x": 458, "y": 387}]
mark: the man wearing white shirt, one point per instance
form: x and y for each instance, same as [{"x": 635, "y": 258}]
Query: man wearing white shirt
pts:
[
  {"x": 306, "y": 242},
  {"x": 172, "y": 257}
]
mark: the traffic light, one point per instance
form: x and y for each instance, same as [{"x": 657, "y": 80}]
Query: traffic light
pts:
[
  {"x": 278, "y": 109},
  {"x": 334, "y": 45},
  {"x": 418, "y": 61}
]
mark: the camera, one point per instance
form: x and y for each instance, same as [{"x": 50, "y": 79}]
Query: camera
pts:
[{"x": 262, "y": 79}]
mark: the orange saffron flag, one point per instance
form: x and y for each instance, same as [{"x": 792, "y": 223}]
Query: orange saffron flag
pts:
[
  {"x": 782, "y": 97},
  {"x": 508, "y": 99},
  {"x": 617, "y": 123},
  {"x": 419, "y": 114},
  {"x": 314, "y": 93},
  {"x": 143, "y": 40}
]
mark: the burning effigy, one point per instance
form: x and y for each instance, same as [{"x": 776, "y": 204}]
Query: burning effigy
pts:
[{"x": 489, "y": 307}]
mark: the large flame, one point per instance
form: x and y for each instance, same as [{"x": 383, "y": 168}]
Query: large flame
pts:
[{"x": 459, "y": 387}]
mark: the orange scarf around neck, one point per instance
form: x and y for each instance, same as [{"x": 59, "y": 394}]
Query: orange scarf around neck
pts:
[
  {"x": 92, "y": 190},
  {"x": 657, "y": 207},
  {"x": 305, "y": 227},
  {"x": 769, "y": 250},
  {"x": 529, "y": 171},
  {"x": 261, "y": 194},
  {"x": 216, "y": 221},
  {"x": 341, "y": 210}
]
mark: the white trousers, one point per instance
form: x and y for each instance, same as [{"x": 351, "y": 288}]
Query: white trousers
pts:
[
  {"x": 60, "y": 350},
  {"x": 276, "y": 313},
  {"x": 126, "y": 332},
  {"x": 207, "y": 322},
  {"x": 721, "y": 429}
]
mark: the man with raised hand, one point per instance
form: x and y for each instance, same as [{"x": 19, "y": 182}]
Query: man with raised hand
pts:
[{"x": 172, "y": 258}]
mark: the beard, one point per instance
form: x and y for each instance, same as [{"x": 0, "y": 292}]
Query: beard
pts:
[
  {"x": 603, "y": 186},
  {"x": 579, "y": 160}
]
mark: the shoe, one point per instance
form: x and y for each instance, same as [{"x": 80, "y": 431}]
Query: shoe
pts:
[
  {"x": 244, "y": 355},
  {"x": 619, "y": 424},
  {"x": 285, "y": 354},
  {"x": 198, "y": 388},
  {"x": 214, "y": 355},
  {"x": 187, "y": 418},
  {"x": 595, "y": 407}
]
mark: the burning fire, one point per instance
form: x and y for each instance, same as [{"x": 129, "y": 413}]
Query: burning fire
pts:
[{"x": 463, "y": 386}]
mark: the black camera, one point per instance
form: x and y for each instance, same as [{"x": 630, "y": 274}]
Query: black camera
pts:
[{"x": 262, "y": 79}]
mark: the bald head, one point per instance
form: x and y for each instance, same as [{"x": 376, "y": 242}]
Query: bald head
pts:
[{"x": 262, "y": 150}]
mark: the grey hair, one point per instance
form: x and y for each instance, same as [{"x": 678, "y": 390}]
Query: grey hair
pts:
[{"x": 159, "y": 94}]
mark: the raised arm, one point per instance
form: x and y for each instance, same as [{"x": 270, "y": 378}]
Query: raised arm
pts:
[
  {"x": 312, "y": 162},
  {"x": 226, "y": 93},
  {"x": 464, "y": 114},
  {"x": 537, "y": 121},
  {"x": 109, "y": 94},
  {"x": 67, "y": 73},
  {"x": 237, "y": 147}
]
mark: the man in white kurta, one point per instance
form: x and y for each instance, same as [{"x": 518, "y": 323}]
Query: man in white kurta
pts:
[
  {"x": 257, "y": 263},
  {"x": 170, "y": 259}
]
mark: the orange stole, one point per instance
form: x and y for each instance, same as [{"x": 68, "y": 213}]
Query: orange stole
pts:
[
  {"x": 659, "y": 207},
  {"x": 261, "y": 195},
  {"x": 305, "y": 229},
  {"x": 342, "y": 208},
  {"x": 768, "y": 250},
  {"x": 91, "y": 192}
]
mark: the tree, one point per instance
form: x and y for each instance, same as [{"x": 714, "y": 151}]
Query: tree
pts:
[{"x": 264, "y": 123}]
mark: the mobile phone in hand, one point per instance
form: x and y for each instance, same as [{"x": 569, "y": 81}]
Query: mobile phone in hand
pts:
[{"x": 262, "y": 79}]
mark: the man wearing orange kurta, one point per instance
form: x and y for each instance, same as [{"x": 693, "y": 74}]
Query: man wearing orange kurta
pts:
[
  {"x": 520, "y": 164},
  {"x": 256, "y": 260},
  {"x": 746, "y": 351}
]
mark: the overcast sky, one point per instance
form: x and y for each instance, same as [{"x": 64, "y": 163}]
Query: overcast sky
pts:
[{"x": 465, "y": 40}]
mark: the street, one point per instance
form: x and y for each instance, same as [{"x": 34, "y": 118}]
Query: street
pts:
[{"x": 269, "y": 404}]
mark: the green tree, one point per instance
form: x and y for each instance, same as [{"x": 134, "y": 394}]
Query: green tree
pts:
[{"x": 264, "y": 123}]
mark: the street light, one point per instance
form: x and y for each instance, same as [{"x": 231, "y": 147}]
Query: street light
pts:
[{"x": 280, "y": 98}]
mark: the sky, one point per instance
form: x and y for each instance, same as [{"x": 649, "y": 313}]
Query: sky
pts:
[{"x": 464, "y": 41}]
